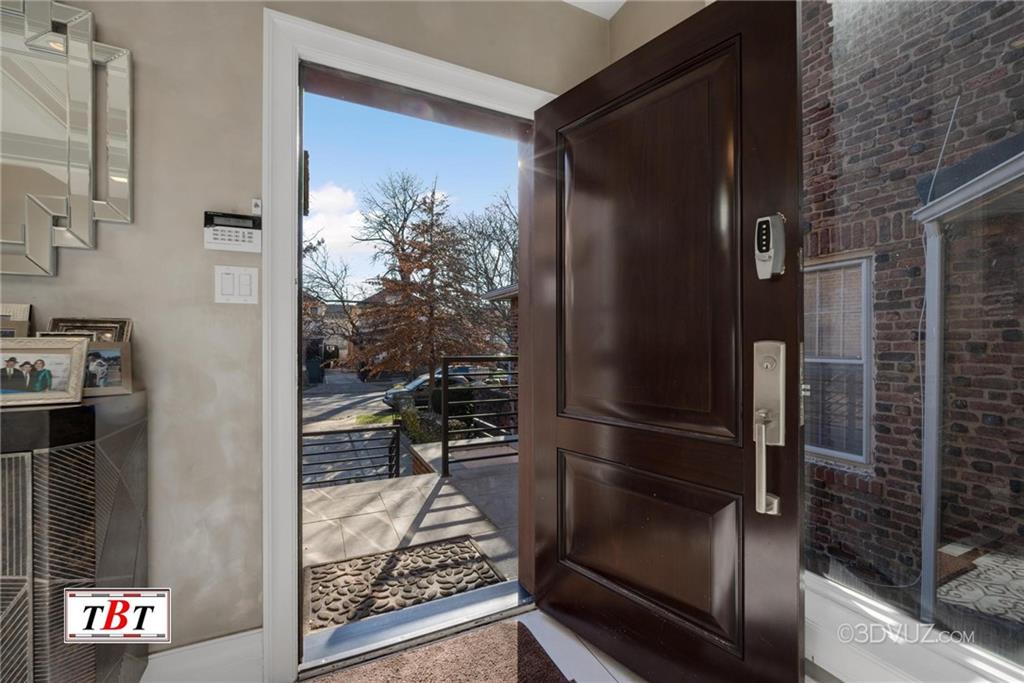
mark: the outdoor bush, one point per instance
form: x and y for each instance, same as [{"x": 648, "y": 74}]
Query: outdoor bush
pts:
[{"x": 419, "y": 428}]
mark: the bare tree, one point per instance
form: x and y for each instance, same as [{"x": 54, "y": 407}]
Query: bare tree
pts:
[
  {"x": 493, "y": 237},
  {"x": 492, "y": 256},
  {"x": 389, "y": 209},
  {"x": 329, "y": 300}
]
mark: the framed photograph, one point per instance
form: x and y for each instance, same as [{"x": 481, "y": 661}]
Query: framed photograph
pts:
[
  {"x": 91, "y": 336},
  {"x": 42, "y": 371},
  {"x": 15, "y": 312},
  {"x": 13, "y": 328},
  {"x": 106, "y": 329},
  {"x": 108, "y": 369}
]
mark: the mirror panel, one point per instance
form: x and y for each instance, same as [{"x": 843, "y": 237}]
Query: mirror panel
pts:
[{"x": 48, "y": 183}]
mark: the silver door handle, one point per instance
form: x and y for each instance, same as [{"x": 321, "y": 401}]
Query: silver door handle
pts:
[
  {"x": 769, "y": 417},
  {"x": 764, "y": 503}
]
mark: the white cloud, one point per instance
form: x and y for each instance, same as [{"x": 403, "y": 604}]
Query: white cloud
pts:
[{"x": 334, "y": 214}]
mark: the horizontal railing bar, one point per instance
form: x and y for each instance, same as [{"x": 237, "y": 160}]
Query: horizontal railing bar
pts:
[
  {"x": 335, "y": 461},
  {"x": 306, "y": 453},
  {"x": 352, "y": 451},
  {"x": 495, "y": 373},
  {"x": 354, "y": 430},
  {"x": 469, "y": 387},
  {"x": 473, "y": 415},
  {"x": 354, "y": 437},
  {"x": 471, "y": 446},
  {"x": 347, "y": 469},
  {"x": 355, "y": 447},
  {"x": 492, "y": 359},
  {"x": 350, "y": 441},
  {"x": 367, "y": 458},
  {"x": 483, "y": 400},
  {"x": 480, "y": 429},
  {"x": 483, "y": 457}
]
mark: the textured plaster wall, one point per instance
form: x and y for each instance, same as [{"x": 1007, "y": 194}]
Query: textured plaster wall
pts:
[{"x": 198, "y": 70}]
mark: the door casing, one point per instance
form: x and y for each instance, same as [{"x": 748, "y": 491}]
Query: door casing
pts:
[{"x": 287, "y": 41}]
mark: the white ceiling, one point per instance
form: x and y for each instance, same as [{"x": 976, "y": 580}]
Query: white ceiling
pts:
[{"x": 602, "y": 8}]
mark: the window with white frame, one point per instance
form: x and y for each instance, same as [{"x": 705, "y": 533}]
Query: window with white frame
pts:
[{"x": 837, "y": 359}]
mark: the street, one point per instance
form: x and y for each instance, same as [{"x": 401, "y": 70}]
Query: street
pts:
[{"x": 337, "y": 402}]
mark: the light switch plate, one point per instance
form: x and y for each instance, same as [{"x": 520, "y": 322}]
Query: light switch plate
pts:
[{"x": 236, "y": 285}]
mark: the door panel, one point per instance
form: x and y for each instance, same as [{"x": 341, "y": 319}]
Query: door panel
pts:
[
  {"x": 682, "y": 557},
  {"x": 643, "y": 307},
  {"x": 647, "y": 228}
]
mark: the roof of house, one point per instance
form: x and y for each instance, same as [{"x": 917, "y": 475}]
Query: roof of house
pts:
[{"x": 502, "y": 293}]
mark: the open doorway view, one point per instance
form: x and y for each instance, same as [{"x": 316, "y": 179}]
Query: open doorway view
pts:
[{"x": 409, "y": 342}]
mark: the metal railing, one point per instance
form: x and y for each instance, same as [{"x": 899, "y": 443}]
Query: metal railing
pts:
[
  {"x": 344, "y": 456},
  {"x": 481, "y": 409}
]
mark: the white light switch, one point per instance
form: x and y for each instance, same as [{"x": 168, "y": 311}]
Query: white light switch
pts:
[{"x": 235, "y": 285}]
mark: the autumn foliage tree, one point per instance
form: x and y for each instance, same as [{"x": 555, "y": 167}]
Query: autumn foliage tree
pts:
[{"x": 427, "y": 303}]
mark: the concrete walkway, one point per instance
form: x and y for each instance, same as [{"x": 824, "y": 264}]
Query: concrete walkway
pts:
[{"x": 479, "y": 500}]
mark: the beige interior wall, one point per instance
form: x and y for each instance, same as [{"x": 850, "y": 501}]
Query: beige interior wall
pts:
[
  {"x": 198, "y": 70},
  {"x": 638, "y": 21}
]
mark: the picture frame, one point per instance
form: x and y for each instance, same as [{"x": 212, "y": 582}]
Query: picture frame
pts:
[
  {"x": 15, "y": 312},
  {"x": 13, "y": 328},
  {"x": 106, "y": 329},
  {"x": 116, "y": 377},
  {"x": 56, "y": 374},
  {"x": 91, "y": 336}
]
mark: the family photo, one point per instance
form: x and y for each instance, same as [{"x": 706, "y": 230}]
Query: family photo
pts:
[
  {"x": 35, "y": 373},
  {"x": 38, "y": 371},
  {"x": 103, "y": 368}
]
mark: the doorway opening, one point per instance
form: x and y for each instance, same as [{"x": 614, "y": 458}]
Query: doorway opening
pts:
[{"x": 409, "y": 354}]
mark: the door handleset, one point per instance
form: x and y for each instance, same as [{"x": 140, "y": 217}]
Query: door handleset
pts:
[{"x": 769, "y": 417}]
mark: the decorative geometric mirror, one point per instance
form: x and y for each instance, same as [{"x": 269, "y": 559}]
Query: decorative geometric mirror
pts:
[{"x": 52, "y": 73}]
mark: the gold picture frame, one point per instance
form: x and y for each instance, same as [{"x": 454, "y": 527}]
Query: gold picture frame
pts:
[
  {"x": 116, "y": 375},
  {"x": 56, "y": 375}
]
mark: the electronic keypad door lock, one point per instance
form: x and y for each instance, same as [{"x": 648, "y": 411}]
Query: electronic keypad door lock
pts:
[
  {"x": 770, "y": 246},
  {"x": 769, "y": 417}
]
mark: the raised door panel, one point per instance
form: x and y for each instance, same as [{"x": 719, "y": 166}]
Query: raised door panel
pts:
[
  {"x": 648, "y": 292},
  {"x": 671, "y": 546}
]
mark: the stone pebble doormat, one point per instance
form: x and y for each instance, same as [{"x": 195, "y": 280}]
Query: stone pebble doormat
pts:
[{"x": 339, "y": 593}]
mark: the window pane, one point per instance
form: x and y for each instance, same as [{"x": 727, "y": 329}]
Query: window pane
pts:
[
  {"x": 833, "y": 315},
  {"x": 811, "y": 314},
  {"x": 834, "y": 412},
  {"x": 853, "y": 295},
  {"x": 830, "y": 305}
]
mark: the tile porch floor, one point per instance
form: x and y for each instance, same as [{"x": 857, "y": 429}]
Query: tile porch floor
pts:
[{"x": 479, "y": 500}]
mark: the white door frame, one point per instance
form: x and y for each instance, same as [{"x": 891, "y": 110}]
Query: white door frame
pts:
[{"x": 288, "y": 40}]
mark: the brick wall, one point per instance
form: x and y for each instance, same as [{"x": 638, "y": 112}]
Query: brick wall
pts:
[{"x": 879, "y": 83}]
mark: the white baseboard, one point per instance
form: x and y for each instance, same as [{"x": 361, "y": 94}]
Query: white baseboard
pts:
[{"x": 236, "y": 658}]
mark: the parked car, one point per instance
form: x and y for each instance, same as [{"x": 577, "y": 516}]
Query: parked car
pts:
[{"x": 419, "y": 390}]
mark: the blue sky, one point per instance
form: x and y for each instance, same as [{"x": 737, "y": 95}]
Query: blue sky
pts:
[{"x": 352, "y": 146}]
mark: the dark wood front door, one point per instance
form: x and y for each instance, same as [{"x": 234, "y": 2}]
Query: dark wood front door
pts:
[{"x": 642, "y": 308}]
